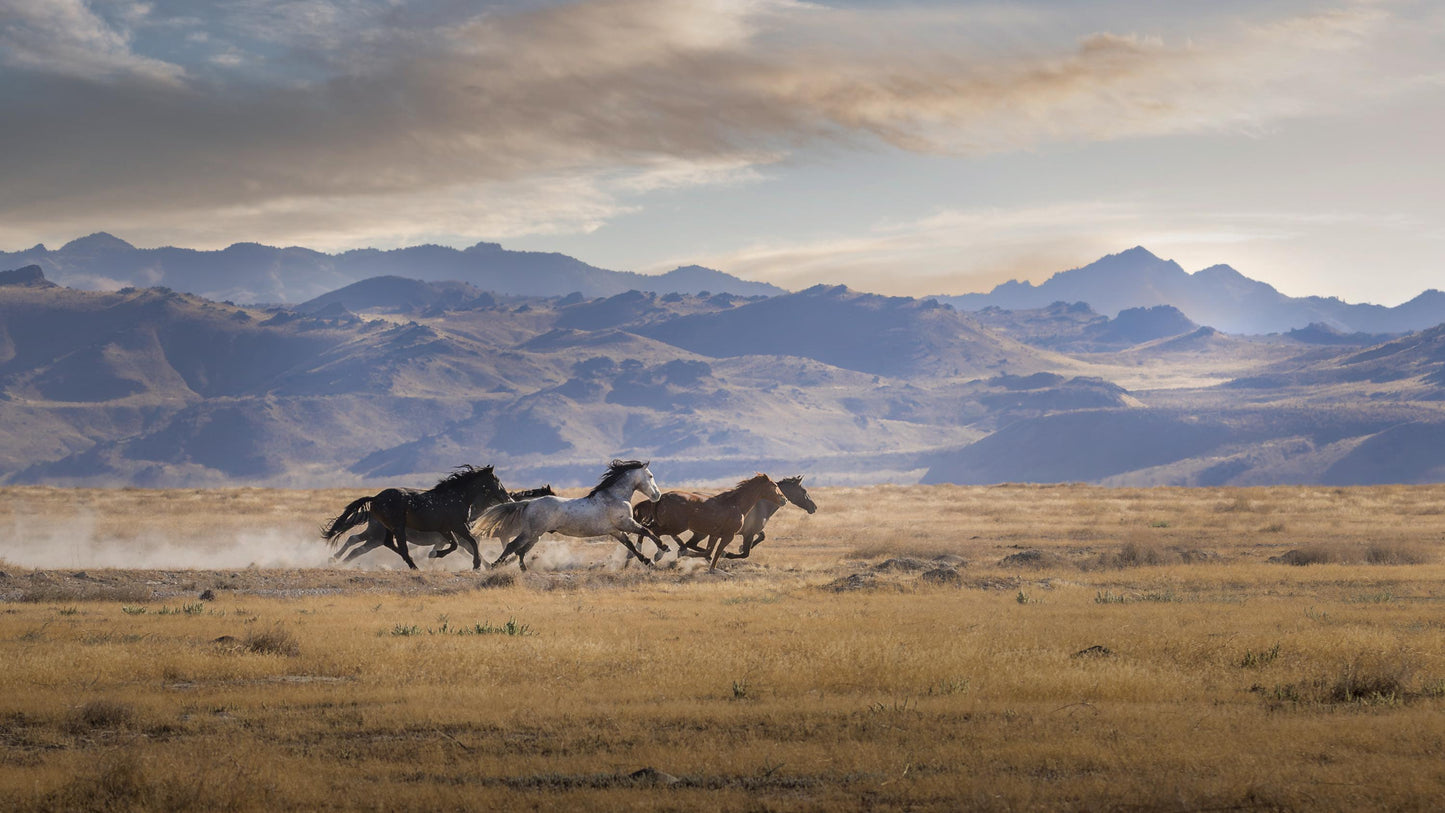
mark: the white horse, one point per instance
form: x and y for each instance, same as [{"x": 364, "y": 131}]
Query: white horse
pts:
[{"x": 605, "y": 511}]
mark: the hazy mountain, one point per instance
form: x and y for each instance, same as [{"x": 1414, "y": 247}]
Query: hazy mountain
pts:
[
  {"x": 399, "y": 295},
  {"x": 1075, "y": 327},
  {"x": 395, "y": 381},
  {"x": 856, "y": 331},
  {"x": 250, "y": 273},
  {"x": 1218, "y": 296}
]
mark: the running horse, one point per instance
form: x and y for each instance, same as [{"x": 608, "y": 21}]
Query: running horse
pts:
[
  {"x": 605, "y": 511},
  {"x": 757, "y": 518},
  {"x": 374, "y": 535},
  {"x": 447, "y": 507},
  {"x": 719, "y": 517}
]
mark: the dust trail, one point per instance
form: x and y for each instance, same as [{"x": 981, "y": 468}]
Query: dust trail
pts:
[
  {"x": 78, "y": 541},
  {"x": 74, "y": 542}
]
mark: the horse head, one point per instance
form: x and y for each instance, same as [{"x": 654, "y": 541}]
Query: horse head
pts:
[
  {"x": 647, "y": 485},
  {"x": 762, "y": 487},
  {"x": 476, "y": 484},
  {"x": 792, "y": 488}
]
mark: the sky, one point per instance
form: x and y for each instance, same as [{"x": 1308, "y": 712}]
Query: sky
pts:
[{"x": 899, "y": 147}]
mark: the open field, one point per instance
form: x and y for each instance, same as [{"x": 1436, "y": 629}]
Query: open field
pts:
[{"x": 1011, "y": 647}]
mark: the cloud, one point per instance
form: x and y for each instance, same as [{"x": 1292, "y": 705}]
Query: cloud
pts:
[
  {"x": 66, "y": 38},
  {"x": 395, "y": 122}
]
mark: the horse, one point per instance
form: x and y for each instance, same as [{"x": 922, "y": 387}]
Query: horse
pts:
[
  {"x": 374, "y": 536},
  {"x": 753, "y": 522},
  {"x": 719, "y": 517},
  {"x": 752, "y": 530},
  {"x": 446, "y": 507},
  {"x": 605, "y": 511}
]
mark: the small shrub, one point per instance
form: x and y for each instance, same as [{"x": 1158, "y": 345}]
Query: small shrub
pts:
[
  {"x": 1255, "y": 660},
  {"x": 101, "y": 714},
  {"x": 120, "y": 783},
  {"x": 1396, "y": 553},
  {"x": 274, "y": 641},
  {"x": 1364, "y": 681}
]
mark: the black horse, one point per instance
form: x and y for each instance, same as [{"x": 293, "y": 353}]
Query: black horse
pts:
[
  {"x": 447, "y": 507},
  {"x": 374, "y": 535}
]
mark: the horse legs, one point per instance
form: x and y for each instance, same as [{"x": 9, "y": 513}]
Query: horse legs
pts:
[
  {"x": 627, "y": 542},
  {"x": 439, "y": 552},
  {"x": 691, "y": 544},
  {"x": 371, "y": 544},
  {"x": 511, "y": 548},
  {"x": 471, "y": 542},
  {"x": 718, "y": 547},
  {"x": 354, "y": 539},
  {"x": 630, "y": 525},
  {"x": 748, "y": 543},
  {"x": 401, "y": 546}
]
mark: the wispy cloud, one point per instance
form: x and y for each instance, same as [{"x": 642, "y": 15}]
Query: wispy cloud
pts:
[
  {"x": 449, "y": 117},
  {"x": 66, "y": 38}
]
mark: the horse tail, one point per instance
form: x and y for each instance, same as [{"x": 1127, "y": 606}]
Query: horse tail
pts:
[
  {"x": 350, "y": 517},
  {"x": 502, "y": 519}
]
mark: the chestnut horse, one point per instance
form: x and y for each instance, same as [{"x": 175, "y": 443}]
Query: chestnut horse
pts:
[{"x": 719, "y": 517}]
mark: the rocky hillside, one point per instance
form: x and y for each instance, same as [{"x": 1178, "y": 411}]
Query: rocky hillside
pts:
[{"x": 394, "y": 381}]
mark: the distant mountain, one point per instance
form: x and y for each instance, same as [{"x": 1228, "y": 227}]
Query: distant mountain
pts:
[
  {"x": 158, "y": 388},
  {"x": 1075, "y": 327},
  {"x": 398, "y": 295},
  {"x": 1218, "y": 296},
  {"x": 855, "y": 331},
  {"x": 395, "y": 381},
  {"x": 253, "y": 273}
]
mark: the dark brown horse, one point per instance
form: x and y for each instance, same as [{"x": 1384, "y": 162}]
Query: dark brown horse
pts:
[
  {"x": 448, "y": 507},
  {"x": 719, "y": 518},
  {"x": 374, "y": 535}
]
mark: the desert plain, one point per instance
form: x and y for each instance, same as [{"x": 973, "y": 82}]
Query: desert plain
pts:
[{"x": 1013, "y": 647}]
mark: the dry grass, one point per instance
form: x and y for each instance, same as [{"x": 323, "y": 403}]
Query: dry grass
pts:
[{"x": 1150, "y": 657}]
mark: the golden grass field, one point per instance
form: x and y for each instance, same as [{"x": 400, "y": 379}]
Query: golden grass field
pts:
[{"x": 1012, "y": 647}]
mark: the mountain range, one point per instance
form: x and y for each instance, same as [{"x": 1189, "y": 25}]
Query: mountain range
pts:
[
  {"x": 394, "y": 380},
  {"x": 1218, "y": 296},
  {"x": 252, "y": 273}
]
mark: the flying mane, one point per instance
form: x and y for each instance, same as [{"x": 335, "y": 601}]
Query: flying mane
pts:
[
  {"x": 462, "y": 476},
  {"x": 615, "y": 471}
]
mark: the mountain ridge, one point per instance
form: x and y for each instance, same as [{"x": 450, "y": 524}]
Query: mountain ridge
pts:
[
  {"x": 1218, "y": 296},
  {"x": 253, "y": 273}
]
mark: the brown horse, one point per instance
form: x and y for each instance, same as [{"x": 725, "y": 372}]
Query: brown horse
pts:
[{"x": 718, "y": 517}]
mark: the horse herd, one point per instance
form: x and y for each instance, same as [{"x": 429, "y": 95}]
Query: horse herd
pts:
[{"x": 443, "y": 516}]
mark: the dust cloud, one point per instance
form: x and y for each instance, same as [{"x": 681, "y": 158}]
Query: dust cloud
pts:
[
  {"x": 77, "y": 542},
  {"x": 74, "y": 542}
]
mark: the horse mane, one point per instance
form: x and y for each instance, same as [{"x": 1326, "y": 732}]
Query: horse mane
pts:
[
  {"x": 464, "y": 474},
  {"x": 741, "y": 484},
  {"x": 532, "y": 493},
  {"x": 616, "y": 470}
]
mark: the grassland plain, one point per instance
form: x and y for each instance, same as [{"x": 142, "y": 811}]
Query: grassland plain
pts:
[{"x": 1012, "y": 647}]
